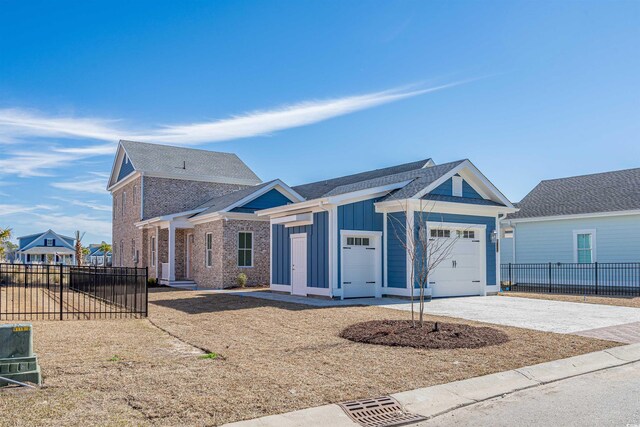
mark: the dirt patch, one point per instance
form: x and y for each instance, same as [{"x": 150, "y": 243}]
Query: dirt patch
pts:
[
  {"x": 589, "y": 299},
  {"x": 277, "y": 357},
  {"x": 432, "y": 335}
]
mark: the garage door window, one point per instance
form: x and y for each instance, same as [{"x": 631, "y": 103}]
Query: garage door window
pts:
[
  {"x": 440, "y": 232},
  {"x": 358, "y": 241},
  {"x": 466, "y": 234}
]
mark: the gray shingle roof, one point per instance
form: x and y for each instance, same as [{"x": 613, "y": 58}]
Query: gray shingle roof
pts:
[
  {"x": 189, "y": 163},
  {"x": 423, "y": 178},
  {"x": 220, "y": 203},
  {"x": 600, "y": 192},
  {"x": 355, "y": 182}
]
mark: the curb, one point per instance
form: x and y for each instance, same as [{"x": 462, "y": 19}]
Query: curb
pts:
[{"x": 437, "y": 400}]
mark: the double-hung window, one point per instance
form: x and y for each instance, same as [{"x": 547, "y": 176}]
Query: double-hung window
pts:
[
  {"x": 584, "y": 244},
  {"x": 208, "y": 245},
  {"x": 245, "y": 249},
  {"x": 153, "y": 251}
]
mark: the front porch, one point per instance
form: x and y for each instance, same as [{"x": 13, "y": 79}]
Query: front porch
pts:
[{"x": 169, "y": 252}]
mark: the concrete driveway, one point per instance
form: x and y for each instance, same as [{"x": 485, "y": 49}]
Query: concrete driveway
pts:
[
  {"x": 614, "y": 323},
  {"x": 544, "y": 315}
]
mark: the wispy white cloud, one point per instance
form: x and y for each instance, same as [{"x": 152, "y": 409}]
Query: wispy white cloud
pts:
[
  {"x": 83, "y": 185},
  {"x": 91, "y": 204},
  {"x": 67, "y": 224},
  {"x": 10, "y": 209},
  {"x": 17, "y": 124}
]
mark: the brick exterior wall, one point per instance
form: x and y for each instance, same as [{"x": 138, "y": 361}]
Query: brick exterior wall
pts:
[
  {"x": 258, "y": 274},
  {"x": 164, "y": 196},
  {"x": 123, "y": 228},
  {"x": 208, "y": 277},
  {"x": 224, "y": 269}
]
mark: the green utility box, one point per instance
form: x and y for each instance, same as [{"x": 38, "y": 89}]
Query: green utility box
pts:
[{"x": 17, "y": 360}]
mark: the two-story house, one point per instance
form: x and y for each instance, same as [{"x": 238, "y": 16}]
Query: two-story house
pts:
[
  {"x": 189, "y": 215},
  {"x": 46, "y": 248}
]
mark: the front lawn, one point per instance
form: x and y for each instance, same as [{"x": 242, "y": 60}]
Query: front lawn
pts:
[{"x": 260, "y": 357}]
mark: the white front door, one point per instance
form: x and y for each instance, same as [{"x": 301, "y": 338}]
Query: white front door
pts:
[
  {"x": 360, "y": 265},
  {"x": 299, "y": 264},
  {"x": 461, "y": 271}
]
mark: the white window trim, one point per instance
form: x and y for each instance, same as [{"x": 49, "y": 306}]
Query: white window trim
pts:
[
  {"x": 456, "y": 189},
  {"x": 591, "y": 231},
  {"x": 46, "y": 242},
  {"x": 252, "y": 249},
  {"x": 153, "y": 251},
  {"x": 206, "y": 250}
]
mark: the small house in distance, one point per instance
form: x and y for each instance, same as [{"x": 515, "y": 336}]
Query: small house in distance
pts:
[{"x": 46, "y": 248}]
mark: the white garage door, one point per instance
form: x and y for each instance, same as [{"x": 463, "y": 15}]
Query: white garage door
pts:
[
  {"x": 460, "y": 271},
  {"x": 360, "y": 265}
]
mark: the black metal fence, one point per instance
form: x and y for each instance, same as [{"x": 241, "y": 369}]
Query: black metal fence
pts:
[
  {"x": 59, "y": 292},
  {"x": 609, "y": 279}
]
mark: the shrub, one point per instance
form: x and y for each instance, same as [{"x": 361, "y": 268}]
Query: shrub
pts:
[
  {"x": 242, "y": 280},
  {"x": 152, "y": 282}
]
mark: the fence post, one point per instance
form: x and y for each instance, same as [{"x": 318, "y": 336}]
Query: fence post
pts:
[
  {"x": 596, "y": 266},
  {"x": 61, "y": 293},
  {"x": 146, "y": 291},
  {"x": 550, "y": 282},
  {"x": 510, "y": 280}
]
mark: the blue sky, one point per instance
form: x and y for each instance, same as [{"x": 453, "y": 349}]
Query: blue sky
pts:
[{"x": 309, "y": 90}]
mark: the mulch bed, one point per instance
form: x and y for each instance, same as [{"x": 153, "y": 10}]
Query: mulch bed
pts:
[{"x": 404, "y": 334}]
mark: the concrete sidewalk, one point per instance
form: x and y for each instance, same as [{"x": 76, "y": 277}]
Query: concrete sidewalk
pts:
[{"x": 439, "y": 399}]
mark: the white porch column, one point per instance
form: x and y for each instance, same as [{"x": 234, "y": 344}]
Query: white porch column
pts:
[
  {"x": 155, "y": 250},
  {"x": 172, "y": 251}
]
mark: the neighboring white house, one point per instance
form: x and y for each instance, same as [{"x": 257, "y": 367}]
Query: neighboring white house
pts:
[
  {"x": 580, "y": 219},
  {"x": 48, "y": 247}
]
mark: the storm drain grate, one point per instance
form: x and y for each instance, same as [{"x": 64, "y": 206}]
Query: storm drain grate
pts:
[{"x": 379, "y": 412}]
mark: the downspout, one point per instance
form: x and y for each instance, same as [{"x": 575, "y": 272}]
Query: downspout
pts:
[{"x": 141, "y": 196}]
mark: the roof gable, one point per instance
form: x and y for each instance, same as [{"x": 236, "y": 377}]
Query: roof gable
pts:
[
  {"x": 269, "y": 194},
  {"x": 180, "y": 163},
  {"x": 601, "y": 192},
  {"x": 27, "y": 242},
  {"x": 346, "y": 183}
]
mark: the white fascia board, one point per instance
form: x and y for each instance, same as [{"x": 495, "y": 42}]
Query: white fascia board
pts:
[
  {"x": 574, "y": 216},
  {"x": 289, "y": 209},
  {"x": 216, "y": 216},
  {"x": 167, "y": 218},
  {"x": 294, "y": 218},
  {"x": 115, "y": 164},
  {"x": 124, "y": 181},
  {"x": 441, "y": 207}
]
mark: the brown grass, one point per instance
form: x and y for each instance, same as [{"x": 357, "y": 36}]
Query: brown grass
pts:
[
  {"x": 277, "y": 357},
  {"x": 589, "y": 299}
]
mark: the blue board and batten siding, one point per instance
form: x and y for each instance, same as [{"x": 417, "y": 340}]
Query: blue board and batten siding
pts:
[
  {"x": 396, "y": 253},
  {"x": 270, "y": 199},
  {"x": 317, "y": 252},
  {"x": 490, "y": 223},
  {"x": 358, "y": 216},
  {"x": 446, "y": 189}
]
